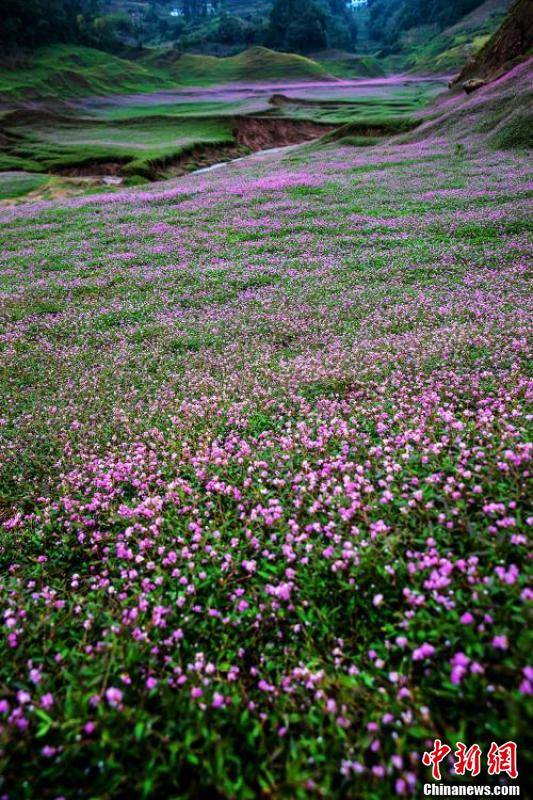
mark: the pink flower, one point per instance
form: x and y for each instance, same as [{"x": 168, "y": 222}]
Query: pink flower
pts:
[
  {"x": 425, "y": 650},
  {"x": 47, "y": 701},
  {"x": 113, "y": 696},
  {"x": 35, "y": 676},
  {"x": 264, "y": 686},
  {"x": 460, "y": 663},
  {"x": 500, "y": 642},
  {"x": 526, "y": 686}
]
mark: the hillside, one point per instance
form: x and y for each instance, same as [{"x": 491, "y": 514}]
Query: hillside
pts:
[
  {"x": 254, "y": 64},
  {"x": 265, "y": 433},
  {"x": 510, "y": 44},
  {"x": 342, "y": 64},
  {"x": 246, "y": 8},
  {"x": 61, "y": 72},
  {"x": 448, "y": 50},
  {"x": 265, "y": 506},
  {"x": 499, "y": 93},
  {"x": 164, "y": 133},
  {"x": 498, "y": 114},
  {"x": 68, "y": 71}
]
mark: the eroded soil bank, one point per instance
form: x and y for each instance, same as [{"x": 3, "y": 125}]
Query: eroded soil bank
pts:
[
  {"x": 262, "y": 133},
  {"x": 251, "y": 134}
]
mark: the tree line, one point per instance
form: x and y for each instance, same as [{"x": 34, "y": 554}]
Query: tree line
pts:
[
  {"x": 390, "y": 18},
  {"x": 301, "y": 26}
]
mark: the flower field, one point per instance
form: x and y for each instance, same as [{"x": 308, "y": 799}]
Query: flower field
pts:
[{"x": 264, "y": 465}]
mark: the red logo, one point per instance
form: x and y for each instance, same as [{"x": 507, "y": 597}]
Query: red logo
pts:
[
  {"x": 500, "y": 759},
  {"x": 435, "y": 756},
  {"x": 467, "y": 759}
]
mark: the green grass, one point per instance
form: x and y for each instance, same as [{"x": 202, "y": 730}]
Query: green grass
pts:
[
  {"x": 143, "y": 139},
  {"x": 140, "y": 145},
  {"x": 353, "y": 66},
  {"x": 366, "y": 131},
  {"x": 18, "y": 184},
  {"x": 340, "y": 318},
  {"x": 255, "y": 64},
  {"x": 516, "y": 132},
  {"x": 449, "y": 50},
  {"x": 196, "y": 108},
  {"x": 60, "y": 72}
]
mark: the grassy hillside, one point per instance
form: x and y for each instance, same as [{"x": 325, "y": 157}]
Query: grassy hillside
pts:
[
  {"x": 146, "y": 133},
  {"x": 61, "y": 72},
  {"x": 140, "y": 146},
  {"x": 385, "y": 107},
  {"x": 264, "y": 465},
  {"x": 510, "y": 45},
  {"x": 18, "y": 184},
  {"x": 144, "y": 139},
  {"x": 449, "y": 50},
  {"x": 348, "y": 65},
  {"x": 499, "y": 113},
  {"x": 255, "y": 64}
]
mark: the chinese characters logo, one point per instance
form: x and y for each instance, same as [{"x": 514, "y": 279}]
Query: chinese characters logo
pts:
[{"x": 500, "y": 759}]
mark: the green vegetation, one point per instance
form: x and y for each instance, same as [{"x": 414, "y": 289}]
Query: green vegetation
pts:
[
  {"x": 390, "y": 19},
  {"x": 388, "y": 111},
  {"x": 451, "y": 49},
  {"x": 347, "y": 65},
  {"x": 515, "y": 132},
  {"x": 263, "y": 478},
  {"x": 67, "y": 71},
  {"x": 141, "y": 146},
  {"x": 307, "y": 25},
  {"x": 30, "y": 23},
  {"x": 143, "y": 135},
  {"x": 17, "y": 184},
  {"x": 370, "y": 129},
  {"x": 255, "y": 64},
  {"x": 60, "y": 72},
  {"x": 135, "y": 139},
  {"x": 265, "y": 435}
]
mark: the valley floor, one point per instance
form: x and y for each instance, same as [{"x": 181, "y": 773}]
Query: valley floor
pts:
[
  {"x": 264, "y": 458},
  {"x": 150, "y": 135}
]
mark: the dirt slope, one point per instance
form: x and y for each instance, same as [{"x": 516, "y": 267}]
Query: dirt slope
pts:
[{"x": 509, "y": 45}]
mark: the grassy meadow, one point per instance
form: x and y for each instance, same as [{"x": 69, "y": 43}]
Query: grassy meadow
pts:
[
  {"x": 265, "y": 429},
  {"x": 67, "y": 109},
  {"x": 142, "y": 135},
  {"x": 59, "y": 72},
  {"x": 70, "y": 109},
  {"x": 264, "y": 465}
]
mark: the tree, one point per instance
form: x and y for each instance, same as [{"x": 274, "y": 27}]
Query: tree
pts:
[
  {"x": 231, "y": 30},
  {"x": 307, "y": 25},
  {"x": 389, "y": 18},
  {"x": 307, "y": 33},
  {"x": 30, "y": 23}
]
